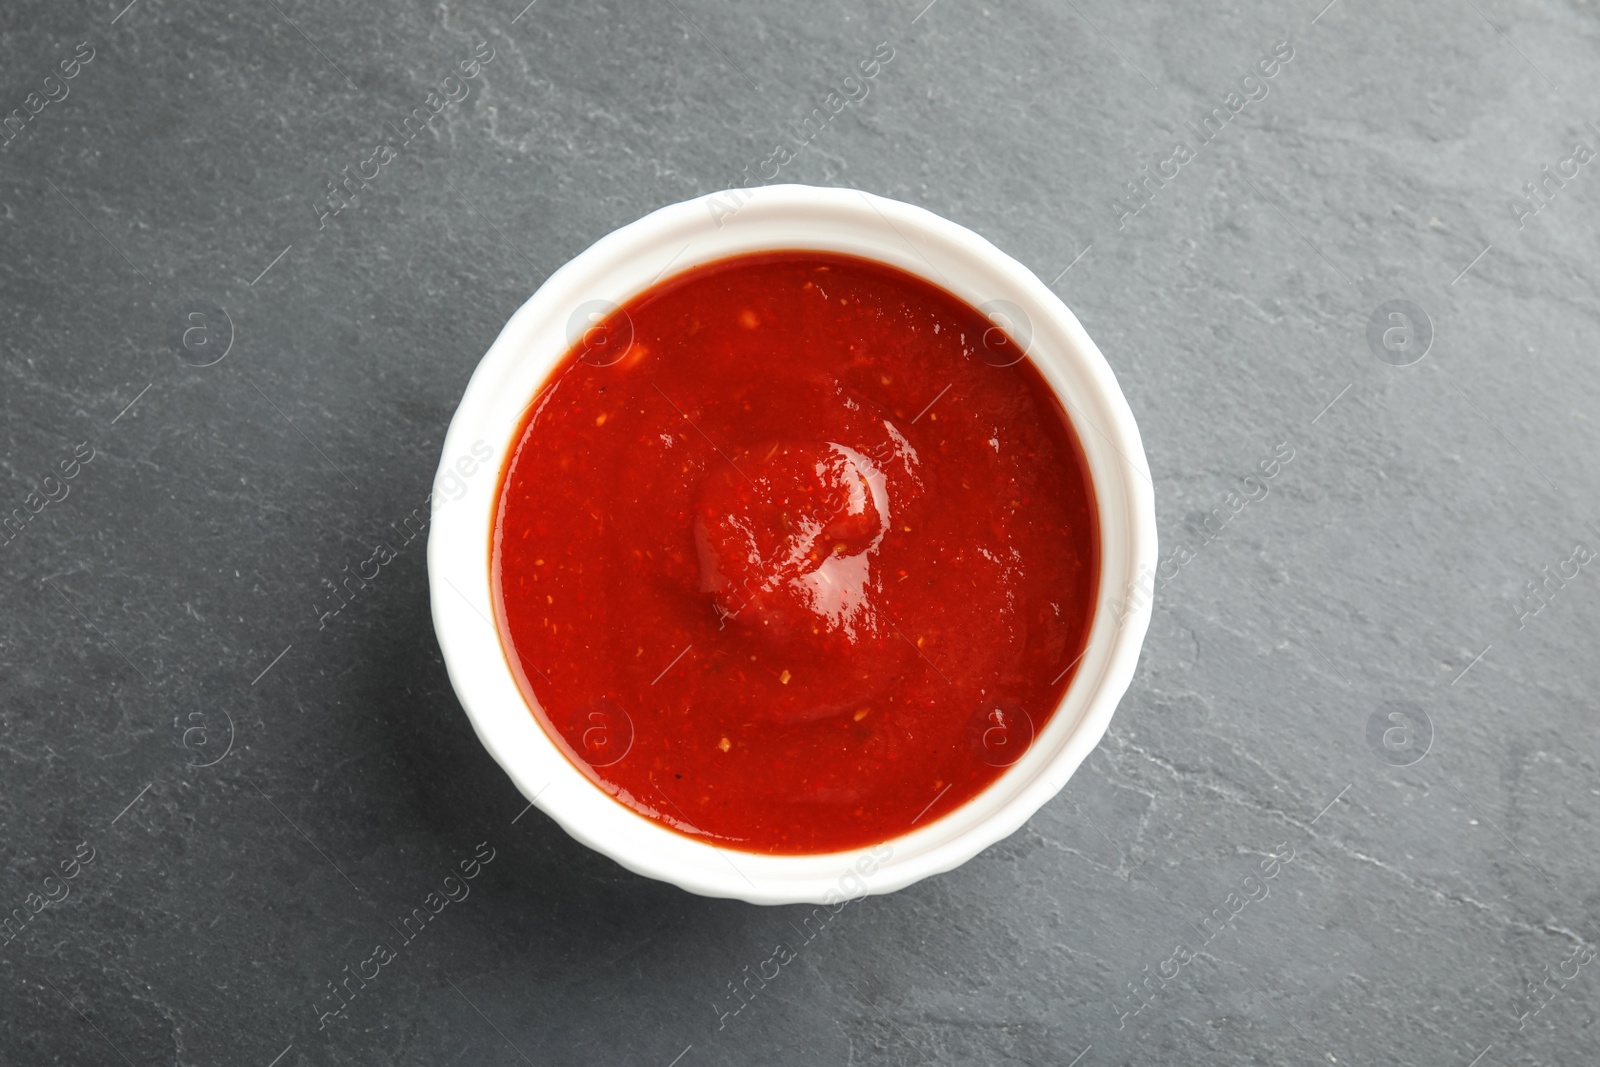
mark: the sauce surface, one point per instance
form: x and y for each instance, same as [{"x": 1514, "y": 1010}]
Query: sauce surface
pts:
[{"x": 796, "y": 553}]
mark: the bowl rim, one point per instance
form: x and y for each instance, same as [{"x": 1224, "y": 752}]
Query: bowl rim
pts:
[{"x": 713, "y": 227}]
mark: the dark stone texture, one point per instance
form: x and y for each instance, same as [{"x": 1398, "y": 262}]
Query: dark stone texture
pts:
[{"x": 1389, "y": 553}]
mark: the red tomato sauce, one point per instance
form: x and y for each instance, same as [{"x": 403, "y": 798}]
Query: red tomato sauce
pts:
[{"x": 795, "y": 553}]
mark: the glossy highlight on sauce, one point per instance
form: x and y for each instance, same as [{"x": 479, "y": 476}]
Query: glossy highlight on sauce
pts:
[{"x": 794, "y": 553}]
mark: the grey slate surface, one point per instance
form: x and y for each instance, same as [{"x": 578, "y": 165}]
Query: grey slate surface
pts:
[{"x": 165, "y": 610}]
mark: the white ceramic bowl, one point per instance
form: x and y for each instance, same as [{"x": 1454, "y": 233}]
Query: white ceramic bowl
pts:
[{"x": 710, "y": 228}]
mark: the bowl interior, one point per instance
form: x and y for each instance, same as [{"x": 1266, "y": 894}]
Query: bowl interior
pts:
[{"x": 715, "y": 227}]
